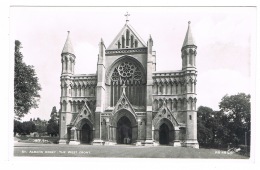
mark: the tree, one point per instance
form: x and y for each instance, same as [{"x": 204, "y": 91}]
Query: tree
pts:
[
  {"x": 26, "y": 85},
  {"x": 17, "y": 127},
  {"x": 204, "y": 132},
  {"x": 52, "y": 128},
  {"x": 28, "y": 127},
  {"x": 54, "y": 114},
  {"x": 238, "y": 110},
  {"x": 212, "y": 127},
  {"x": 41, "y": 128}
]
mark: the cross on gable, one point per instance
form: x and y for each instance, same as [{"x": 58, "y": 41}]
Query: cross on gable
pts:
[{"x": 127, "y": 15}]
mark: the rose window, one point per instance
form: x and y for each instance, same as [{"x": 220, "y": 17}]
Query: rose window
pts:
[{"x": 126, "y": 71}]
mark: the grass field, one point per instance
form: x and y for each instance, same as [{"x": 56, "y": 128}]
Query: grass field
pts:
[{"x": 118, "y": 151}]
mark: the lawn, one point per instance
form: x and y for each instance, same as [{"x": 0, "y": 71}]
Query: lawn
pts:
[{"x": 118, "y": 151}]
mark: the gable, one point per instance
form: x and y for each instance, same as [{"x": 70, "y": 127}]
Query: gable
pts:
[
  {"x": 164, "y": 112},
  {"x": 85, "y": 113},
  {"x": 123, "y": 103},
  {"x": 127, "y": 38}
]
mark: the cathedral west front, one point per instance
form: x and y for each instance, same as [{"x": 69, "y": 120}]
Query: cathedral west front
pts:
[{"x": 128, "y": 101}]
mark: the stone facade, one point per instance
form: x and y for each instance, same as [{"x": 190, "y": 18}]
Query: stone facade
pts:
[{"x": 127, "y": 101}]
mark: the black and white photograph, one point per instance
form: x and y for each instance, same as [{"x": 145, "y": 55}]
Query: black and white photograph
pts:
[{"x": 133, "y": 82}]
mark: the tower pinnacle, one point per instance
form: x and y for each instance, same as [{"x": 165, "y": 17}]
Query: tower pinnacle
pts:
[
  {"x": 189, "y": 40},
  {"x": 68, "y": 48}
]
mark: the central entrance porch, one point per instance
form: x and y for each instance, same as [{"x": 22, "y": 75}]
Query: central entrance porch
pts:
[
  {"x": 124, "y": 131},
  {"x": 123, "y": 128}
]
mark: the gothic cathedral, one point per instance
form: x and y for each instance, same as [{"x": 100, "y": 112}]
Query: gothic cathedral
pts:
[{"x": 127, "y": 101}]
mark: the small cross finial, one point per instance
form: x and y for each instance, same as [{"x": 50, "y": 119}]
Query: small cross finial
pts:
[{"x": 127, "y": 15}]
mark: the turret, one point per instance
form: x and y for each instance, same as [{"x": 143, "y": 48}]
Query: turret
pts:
[
  {"x": 188, "y": 50},
  {"x": 150, "y": 45},
  {"x": 68, "y": 57}
]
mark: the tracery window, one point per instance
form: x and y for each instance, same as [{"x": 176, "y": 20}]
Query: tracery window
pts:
[
  {"x": 129, "y": 74},
  {"x": 126, "y": 72}
]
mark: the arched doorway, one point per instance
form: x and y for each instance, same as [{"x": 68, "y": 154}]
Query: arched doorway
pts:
[
  {"x": 164, "y": 134},
  {"x": 86, "y": 134},
  {"x": 124, "y": 131}
]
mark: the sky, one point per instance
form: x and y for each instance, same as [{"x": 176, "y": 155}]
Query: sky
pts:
[{"x": 225, "y": 37}]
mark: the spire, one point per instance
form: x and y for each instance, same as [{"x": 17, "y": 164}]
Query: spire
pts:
[
  {"x": 68, "y": 45},
  {"x": 189, "y": 40}
]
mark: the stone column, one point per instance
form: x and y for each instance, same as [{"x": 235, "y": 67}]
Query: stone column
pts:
[
  {"x": 156, "y": 136},
  {"x": 176, "y": 137},
  {"x": 74, "y": 136},
  {"x": 97, "y": 132},
  {"x": 114, "y": 134},
  {"x": 108, "y": 131}
]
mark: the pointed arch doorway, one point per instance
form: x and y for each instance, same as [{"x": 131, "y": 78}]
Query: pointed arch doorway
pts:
[
  {"x": 124, "y": 131},
  {"x": 164, "y": 134},
  {"x": 86, "y": 134}
]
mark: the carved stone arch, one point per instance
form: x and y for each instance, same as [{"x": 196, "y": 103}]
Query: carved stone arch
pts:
[
  {"x": 160, "y": 86},
  {"x": 168, "y": 122},
  {"x": 121, "y": 113},
  {"x": 78, "y": 105},
  {"x": 64, "y": 105},
  {"x": 70, "y": 105},
  {"x": 71, "y": 85},
  {"x": 155, "y": 105},
  {"x": 174, "y": 104},
  {"x": 179, "y": 104},
  {"x": 83, "y": 102},
  {"x": 111, "y": 69},
  {"x": 71, "y": 59},
  {"x": 66, "y": 58},
  {"x": 74, "y": 106},
  {"x": 82, "y": 122},
  {"x": 164, "y": 112},
  {"x": 164, "y": 100},
  {"x": 190, "y": 103},
  {"x": 194, "y": 102},
  {"x": 184, "y": 104},
  {"x": 160, "y": 103},
  {"x": 191, "y": 51},
  {"x": 169, "y": 104},
  {"x": 172, "y": 81}
]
